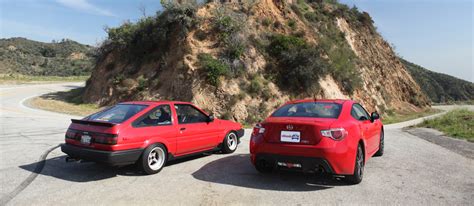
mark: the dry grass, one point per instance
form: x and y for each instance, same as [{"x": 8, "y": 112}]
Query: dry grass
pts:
[
  {"x": 68, "y": 102},
  {"x": 25, "y": 79}
]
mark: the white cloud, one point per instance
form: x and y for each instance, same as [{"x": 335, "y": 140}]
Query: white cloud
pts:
[{"x": 83, "y": 5}]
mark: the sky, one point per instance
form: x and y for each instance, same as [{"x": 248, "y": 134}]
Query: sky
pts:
[{"x": 436, "y": 34}]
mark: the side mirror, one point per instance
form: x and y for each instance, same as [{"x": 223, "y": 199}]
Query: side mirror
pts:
[
  {"x": 374, "y": 116},
  {"x": 210, "y": 118}
]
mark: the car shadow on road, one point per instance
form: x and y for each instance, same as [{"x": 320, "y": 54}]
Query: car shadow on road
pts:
[
  {"x": 89, "y": 171},
  {"x": 237, "y": 170}
]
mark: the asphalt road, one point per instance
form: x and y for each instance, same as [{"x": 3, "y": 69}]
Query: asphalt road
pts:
[{"x": 411, "y": 172}]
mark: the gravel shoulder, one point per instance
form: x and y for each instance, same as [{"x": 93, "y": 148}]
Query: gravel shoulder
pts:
[{"x": 459, "y": 146}]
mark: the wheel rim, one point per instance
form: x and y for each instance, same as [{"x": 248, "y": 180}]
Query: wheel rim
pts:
[
  {"x": 360, "y": 162},
  {"x": 232, "y": 141},
  {"x": 156, "y": 158}
]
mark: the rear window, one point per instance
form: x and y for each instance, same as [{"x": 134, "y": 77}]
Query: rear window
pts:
[
  {"x": 309, "y": 109},
  {"x": 118, "y": 113}
]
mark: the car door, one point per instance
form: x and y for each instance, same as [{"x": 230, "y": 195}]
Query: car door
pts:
[
  {"x": 366, "y": 126},
  {"x": 157, "y": 123},
  {"x": 196, "y": 133}
]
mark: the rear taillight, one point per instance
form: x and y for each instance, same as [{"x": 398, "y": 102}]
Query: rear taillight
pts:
[
  {"x": 335, "y": 133},
  {"x": 72, "y": 134},
  {"x": 258, "y": 129},
  {"x": 101, "y": 138}
]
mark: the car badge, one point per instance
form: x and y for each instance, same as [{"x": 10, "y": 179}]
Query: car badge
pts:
[{"x": 289, "y": 127}]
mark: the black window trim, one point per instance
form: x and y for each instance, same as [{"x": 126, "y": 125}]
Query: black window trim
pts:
[
  {"x": 192, "y": 107},
  {"x": 352, "y": 108},
  {"x": 135, "y": 122}
]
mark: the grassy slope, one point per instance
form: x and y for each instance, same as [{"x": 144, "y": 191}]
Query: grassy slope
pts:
[
  {"x": 68, "y": 102},
  {"x": 456, "y": 123},
  {"x": 440, "y": 88},
  {"x": 391, "y": 118}
]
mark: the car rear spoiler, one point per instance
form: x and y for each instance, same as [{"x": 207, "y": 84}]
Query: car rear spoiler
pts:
[{"x": 103, "y": 124}]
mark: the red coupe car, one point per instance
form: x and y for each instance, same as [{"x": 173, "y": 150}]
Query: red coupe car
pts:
[
  {"x": 331, "y": 136},
  {"x": 149, "y": 133}
]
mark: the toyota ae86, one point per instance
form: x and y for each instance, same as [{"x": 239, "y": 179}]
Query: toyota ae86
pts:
[
  {"x": 149, "y": 133},
  {"x": 328, "y": 136}
]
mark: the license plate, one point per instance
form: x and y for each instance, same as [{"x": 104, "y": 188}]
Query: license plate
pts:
[
  {"x": 290, "y": 136},
  {"x": 289, "y": 165},
  {"x": 86, "y": 139}
]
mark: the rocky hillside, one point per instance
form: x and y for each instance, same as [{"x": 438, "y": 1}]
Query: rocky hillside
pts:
[
  {"x": 242, "y": 59},
  {"x": 28, "y": 57},
  {"x": 440, "y": 88}
]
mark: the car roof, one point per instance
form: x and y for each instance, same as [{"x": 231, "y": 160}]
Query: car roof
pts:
[
  {"x": 155, "y": 102},
  {"x": 339, "y": 101}
]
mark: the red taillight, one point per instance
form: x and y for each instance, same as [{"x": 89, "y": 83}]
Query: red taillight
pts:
[
  {"x": 258, "y": 129},
  {"x": 104, "y": 138},
  {"x": 335, "y": 133},
  {"x": 71, "y": 134}
]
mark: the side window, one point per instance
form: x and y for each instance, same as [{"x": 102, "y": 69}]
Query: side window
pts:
[
  {"x": 359, "y": 113},
  {"x": 161, "y": 115},
  {"x": 188, "y": 114}
]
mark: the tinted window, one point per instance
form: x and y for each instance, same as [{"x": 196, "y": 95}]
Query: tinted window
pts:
[
  {"x": 189, "y": 114},
  {"x": 160, "y": 115},
  {"x": 309, "y": 109},
  {"x": 118, "y": 113},
  {"x": 359, "y": 113}
]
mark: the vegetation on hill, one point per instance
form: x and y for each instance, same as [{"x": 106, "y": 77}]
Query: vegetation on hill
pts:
[
  {"x": 241, "y": 59},
  {"x": 62, "y": 58},
  {"x": 440, "y": 88},
  {"x": 456, "y": 123}
]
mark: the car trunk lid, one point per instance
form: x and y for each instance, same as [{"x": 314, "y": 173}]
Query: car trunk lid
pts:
[{"x": 295, "y": 130}]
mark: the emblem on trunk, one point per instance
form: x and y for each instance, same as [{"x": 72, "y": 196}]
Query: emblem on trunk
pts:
[{"x": 289, "y": 127}]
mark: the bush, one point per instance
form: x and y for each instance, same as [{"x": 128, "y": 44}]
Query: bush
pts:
[
  {"x": 213, "y": 68},
  {"x": 280, "y": 43},
  {"x": 228, "y": 29}
]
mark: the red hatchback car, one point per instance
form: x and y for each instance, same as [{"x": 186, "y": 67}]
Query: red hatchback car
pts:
[
  {"x": 331, "y": 136},
  {"x": 149, "y": 133}
]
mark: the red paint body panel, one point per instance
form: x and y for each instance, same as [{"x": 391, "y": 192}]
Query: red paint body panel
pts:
[
  {"x": 340, "y": 154},
  {"x": 193, "y": 138}
]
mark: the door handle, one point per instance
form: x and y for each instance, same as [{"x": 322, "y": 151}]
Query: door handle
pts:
[{"x": 182, "y": 129}]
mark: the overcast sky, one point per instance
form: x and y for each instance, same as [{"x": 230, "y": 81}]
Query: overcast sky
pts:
[{"x": 436, "y": 34}]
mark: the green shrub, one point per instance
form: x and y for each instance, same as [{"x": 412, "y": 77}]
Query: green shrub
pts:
[
  {"x": 142, "y": 83},
  {"x": 280, "y": 43},
  {"x": 228, "y": 28},
  {"x": 213, "y": 68},
  {"x": 266, "y": 21},
  {"x": 292, "y": 24}
]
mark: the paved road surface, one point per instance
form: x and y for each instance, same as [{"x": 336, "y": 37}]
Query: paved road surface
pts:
[{"x": 412, "y": 171}]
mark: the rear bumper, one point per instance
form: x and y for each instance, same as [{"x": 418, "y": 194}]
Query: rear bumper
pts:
[
  {"x": 308, "y": 164},
  {"x": 113, "y": 158},
  {"x": 338, "y": 156}
]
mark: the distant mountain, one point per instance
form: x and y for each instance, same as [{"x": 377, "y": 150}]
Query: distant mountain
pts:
[
  {"x": 440, "y": 88},
  {"x": 28, "y": 57}
]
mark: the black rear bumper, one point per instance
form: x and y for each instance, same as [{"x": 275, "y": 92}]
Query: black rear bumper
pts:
[
  {"x": 308, "y": 164},
  {"x": 114, "y": 158}
]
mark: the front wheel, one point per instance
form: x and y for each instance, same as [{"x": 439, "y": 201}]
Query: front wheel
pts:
[
  {"x": 229, "y": 145},
  {"x": 356, "y": 178},
  {"x": 153, "y": 159},
  {"x": 381, "y": 145}
]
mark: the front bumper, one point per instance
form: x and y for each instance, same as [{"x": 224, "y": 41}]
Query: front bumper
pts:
[
  {"x": 240, "y": 134},
  {"x": 114, "y": 158}
]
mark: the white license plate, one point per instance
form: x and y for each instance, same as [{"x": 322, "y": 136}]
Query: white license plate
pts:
[
  {"x": 290, "y": 136},
  {"x": 86, "y": 139}
]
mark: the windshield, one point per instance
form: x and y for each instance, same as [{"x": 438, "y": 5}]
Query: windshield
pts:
[
  {"x": 309, "y": 109},
  {"x": 118, "y": 113}
]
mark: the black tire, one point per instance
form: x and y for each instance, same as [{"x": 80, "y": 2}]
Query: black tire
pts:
[
  {"x": 230, "y": 143},
  {"x": 145, "y": 162},
  {"x": 379, "y": 153},
  {"x": 356, "y": 178},
  {"x": 263, "y": 167}
]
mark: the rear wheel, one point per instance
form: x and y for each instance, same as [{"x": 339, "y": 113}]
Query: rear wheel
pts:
[
  {"x": 263, "y": 167},
  {"x": 381, "y": 145},
  {"x": 229, "y": 145},
  {"x": 153, "y": 159},
  {"x": 356, "y": 178}
]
